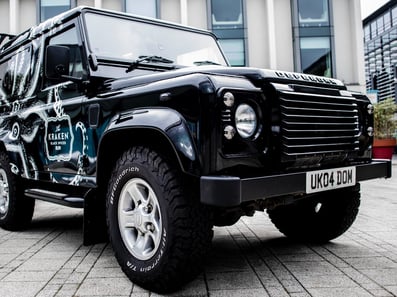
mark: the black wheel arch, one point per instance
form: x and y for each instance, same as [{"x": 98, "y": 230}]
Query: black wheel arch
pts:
[{"x": 162, "y": 129}]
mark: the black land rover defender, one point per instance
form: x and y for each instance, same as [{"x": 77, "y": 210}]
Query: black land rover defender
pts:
[{"x": 143, "y": 124}]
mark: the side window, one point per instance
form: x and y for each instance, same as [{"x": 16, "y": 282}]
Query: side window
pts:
[
  {"x": 70, "y": 39},
  {"x": 15, "y": 74}
]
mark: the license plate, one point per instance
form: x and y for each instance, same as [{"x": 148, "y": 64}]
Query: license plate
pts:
[{"x": 323, "y": 180}]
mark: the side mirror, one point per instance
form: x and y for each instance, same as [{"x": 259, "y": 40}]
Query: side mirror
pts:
[{"x": 57, "y": 61}]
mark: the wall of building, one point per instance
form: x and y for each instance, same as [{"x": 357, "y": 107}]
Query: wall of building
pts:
[
  {"x": 284, "y": 40},
  {"x": 197, "y": 14},
  {"x": 269, "y": 30},
  {"x": 349, "y": 49},
  {"x": 4, "y": 16}
]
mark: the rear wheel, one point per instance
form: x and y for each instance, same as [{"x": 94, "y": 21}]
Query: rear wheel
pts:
[
  {"x": 159, "y": 234},
  {"x": 16, "y": 211},
  {"x": 319, "y": 218}
]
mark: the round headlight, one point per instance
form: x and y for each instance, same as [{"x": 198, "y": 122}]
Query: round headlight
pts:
[{"x": 246, "y": 121}]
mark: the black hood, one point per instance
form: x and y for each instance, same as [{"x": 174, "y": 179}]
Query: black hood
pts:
[{"x": 255, "y": 75}]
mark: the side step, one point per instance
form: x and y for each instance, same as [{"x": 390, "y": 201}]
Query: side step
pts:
[{"x": 55, "y": 197}]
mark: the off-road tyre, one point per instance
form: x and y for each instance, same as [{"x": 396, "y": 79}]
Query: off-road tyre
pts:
[
  {"x": 319, "y": 218},
  {"x": 16, "y": 210},
  {"x": 180, "y": 225}
]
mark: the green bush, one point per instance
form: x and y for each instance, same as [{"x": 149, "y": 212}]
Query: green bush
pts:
[{"x": 385, "y": 122}]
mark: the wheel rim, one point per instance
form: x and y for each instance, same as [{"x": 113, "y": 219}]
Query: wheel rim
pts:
[
  {"x": 139, "y": 219},
  {"x": 4, "y": 193}
]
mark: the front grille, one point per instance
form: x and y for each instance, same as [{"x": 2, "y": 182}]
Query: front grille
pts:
[{"x": 317, "y": 124}]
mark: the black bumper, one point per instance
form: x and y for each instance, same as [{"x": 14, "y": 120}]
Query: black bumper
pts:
[{"x": 228, "y": 191}]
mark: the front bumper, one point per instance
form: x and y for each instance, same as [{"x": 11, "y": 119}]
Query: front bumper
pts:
[{"x": 229, "y": 191}]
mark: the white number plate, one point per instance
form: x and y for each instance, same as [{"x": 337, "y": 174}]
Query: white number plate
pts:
[{"x": 323, "y": 180}]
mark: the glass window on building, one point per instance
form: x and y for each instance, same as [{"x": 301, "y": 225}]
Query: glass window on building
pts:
[
  {"x": 373, "y": 30},
  {"x": 367, "y": 34},
  {"x": 313, "y": 37},
  {"x": 227, "y": 22},
  {"x": 51, "y": 8},
  {"x": 380, "y": 25},
  {"x": 387, "y": 20},
  {"x": 316, "y": 55},
  {"x": 394, "y": 16},
  {"x": 226, "y": 14},
  {"x": 234, "y": 51},
  {"x": 142, "y": 7},
  {"x": 313, "y": 13}
]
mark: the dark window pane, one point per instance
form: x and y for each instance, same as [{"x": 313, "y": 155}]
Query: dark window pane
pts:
[
  {"x": 373, "y": 30},
  {"x": 379, "y": 25},
  {"x": 394, "y": 16},
  {"x": 50, "y": 8},
  {"x": 313, "y": 13},
  {"x": 387, "y": 20},
  {"x": 226, "y": 14}
]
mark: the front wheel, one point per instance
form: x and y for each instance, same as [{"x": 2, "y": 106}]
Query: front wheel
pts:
[
  {"x": 319, "y": 218},
  {"x": 159, "y": 234}
]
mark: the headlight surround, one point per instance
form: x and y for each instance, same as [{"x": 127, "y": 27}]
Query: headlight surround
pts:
[{"x": 246, "y": 120}]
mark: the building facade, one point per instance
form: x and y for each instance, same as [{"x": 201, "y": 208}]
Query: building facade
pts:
[
  {"x": 322, "y": 37},
  {"x": 380, "y": 51}
]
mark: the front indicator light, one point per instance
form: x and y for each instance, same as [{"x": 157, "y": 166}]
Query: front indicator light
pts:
[
  {"x": 370, "y": 109},
  {"x": 229, "y": 132},
  {"x": 246, "y": 120},
  {"x": 370, "y": 131},
  {"x": 228, "y": 99}
]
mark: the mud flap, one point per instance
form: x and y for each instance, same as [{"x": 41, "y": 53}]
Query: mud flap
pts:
[{"x": 94, "y": 227}]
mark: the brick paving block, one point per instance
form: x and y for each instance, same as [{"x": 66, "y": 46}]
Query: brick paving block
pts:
[
  {"x": 98, "y": 272},
  {"x": 42, "y": 264},
  {"x": 326, "y": 281},
  {"x": 276, "y": 291},
  {"x": 392, "y": 289},
  {"x": 384, "y": 277},
  {"x": 67, "y": 290},
  {"x": 371, "y": 263},
  {"x": 381, "y": 293},
  {"x": 345, "y": 292},
  {"x": 49, "y": 291},
  {"x": 20, "y": 289},
  {"x": 196, "y": 288},
  {"x": 300, "y": 294},
  {"x": 300, "y": 257},
  {"x": 233, "y": 280},
  {"x": 105, "y": 287},
  {"x": 312, "y": 269},
  {"x": 28, "y": 276},
  {"x": 239, "y": 293}
]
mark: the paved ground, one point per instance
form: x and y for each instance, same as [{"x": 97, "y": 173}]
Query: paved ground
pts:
[{"x": 250, "y": 258}]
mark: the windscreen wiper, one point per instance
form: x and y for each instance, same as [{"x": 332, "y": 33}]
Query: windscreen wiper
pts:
[
  {"x": 154, "y": 59},
  {"x": 199, "y": 63}
]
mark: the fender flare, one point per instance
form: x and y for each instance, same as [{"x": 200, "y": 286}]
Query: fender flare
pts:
[{"x": 166, "y": 123}]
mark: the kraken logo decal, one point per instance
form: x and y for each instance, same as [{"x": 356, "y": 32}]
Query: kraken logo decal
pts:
[{"x": 59, "y": 138}]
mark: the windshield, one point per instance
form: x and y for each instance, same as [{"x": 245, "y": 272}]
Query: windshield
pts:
[{"x": 123, "y": 39}]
